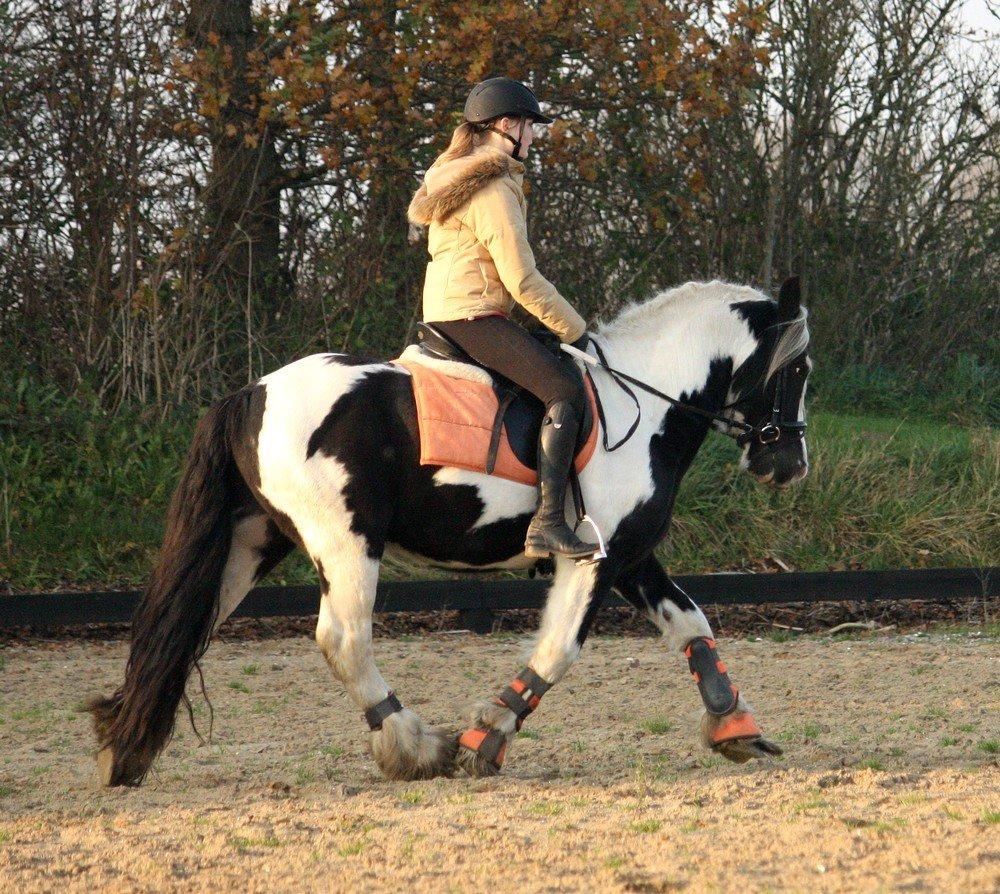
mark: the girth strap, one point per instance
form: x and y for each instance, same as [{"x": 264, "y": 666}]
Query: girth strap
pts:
[
  {"x": 376, "y": 714},
  {"x": 491, "y": 454}
]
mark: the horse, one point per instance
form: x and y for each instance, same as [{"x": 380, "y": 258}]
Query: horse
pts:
[{"x": 322, "y": 454}]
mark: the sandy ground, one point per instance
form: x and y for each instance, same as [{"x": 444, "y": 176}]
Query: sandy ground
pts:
[{"x": 889, "y": 781}]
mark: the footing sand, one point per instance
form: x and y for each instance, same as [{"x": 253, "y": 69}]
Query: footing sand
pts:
[{"x": 890, "y": 779}]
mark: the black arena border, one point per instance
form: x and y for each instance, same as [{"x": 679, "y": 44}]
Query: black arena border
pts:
[{"x": 477, "y": 600}]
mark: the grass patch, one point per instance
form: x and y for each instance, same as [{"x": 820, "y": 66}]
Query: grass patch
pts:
[
  {"x": 947, "y": 741},
  {"x": 991, "y": 817},
  {"x": 870, "y": 763},
  {"x": 412, "y": 797},
  {"x": 614, "y": 862},
  {"x": 545, "y": 808},
  {"x": 814, "y": 803},
  {"x": 239, "y": 686},
  {"x": 990, "y": 746},
  {"x": 806, "y": 732},
  {"x": 352, "y": 849},
  {"x": 527, "y": 734},
  {"x": 332, "y": 750},
  {"x": 250, "y": 670},
  {"x": 646, "y": 827},
  {"x": 657, "y": 726},
  {"x": 243, "y": 844}
]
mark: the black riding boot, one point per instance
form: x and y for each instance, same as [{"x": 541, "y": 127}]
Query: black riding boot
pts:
[{"x": 548, "y": 532}]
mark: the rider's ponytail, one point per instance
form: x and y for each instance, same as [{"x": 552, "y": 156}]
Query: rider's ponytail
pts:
[{"x": 463, "y": 141}]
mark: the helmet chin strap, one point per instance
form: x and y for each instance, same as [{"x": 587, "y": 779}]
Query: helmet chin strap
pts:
[{"x": 517, "y": 142}]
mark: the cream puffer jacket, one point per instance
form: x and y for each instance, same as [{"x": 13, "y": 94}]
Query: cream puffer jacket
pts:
[{"x": 475, "y": 213}]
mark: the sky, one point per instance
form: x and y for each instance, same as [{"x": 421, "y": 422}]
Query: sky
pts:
[{"x": 980, "y": 14}]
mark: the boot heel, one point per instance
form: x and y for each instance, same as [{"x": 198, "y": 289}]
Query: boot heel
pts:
[{"x": 533, "y": 551}]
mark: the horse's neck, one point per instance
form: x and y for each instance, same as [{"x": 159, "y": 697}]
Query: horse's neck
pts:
[{"x": 675, "y": 355}]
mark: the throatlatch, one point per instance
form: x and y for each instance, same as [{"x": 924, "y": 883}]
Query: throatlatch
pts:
[
  {"x": 377, "y": 713},
  {"x": 709, "y": 672},
  {"x": 521, "y": 696}
]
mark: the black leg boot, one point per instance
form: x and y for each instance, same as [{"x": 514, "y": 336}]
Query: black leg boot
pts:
[{"x": 548, "y": 532}]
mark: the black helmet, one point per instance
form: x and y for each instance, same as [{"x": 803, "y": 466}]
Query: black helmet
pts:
[{"x": 497, "y": 97}]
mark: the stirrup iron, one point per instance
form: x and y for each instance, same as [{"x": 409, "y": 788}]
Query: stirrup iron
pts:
[{"x": 601, "y": 552}]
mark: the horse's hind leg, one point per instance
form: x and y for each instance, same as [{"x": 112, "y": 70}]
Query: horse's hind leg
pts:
[
  {"x": 257, "y": 546},
  {"x": 403, "y": 746}
]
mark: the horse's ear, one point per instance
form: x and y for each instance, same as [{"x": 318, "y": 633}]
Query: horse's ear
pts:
[{"x": 789, "y": 298}]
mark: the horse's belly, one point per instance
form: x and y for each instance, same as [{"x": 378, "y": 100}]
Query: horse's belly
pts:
[{"x": 460, "y": 519}]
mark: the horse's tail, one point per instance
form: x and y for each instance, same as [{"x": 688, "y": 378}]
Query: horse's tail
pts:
[{"x": 173, "y": 623}]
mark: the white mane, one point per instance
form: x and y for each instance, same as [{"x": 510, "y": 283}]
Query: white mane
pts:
[
  {"x": 696, "y": 299},
  {"x": 642, "y": 316}
]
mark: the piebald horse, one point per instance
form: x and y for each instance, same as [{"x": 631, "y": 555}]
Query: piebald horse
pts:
[{"x": 323, "y": 454}]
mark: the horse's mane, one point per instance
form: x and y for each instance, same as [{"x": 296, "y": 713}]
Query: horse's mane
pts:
[{"x": 647, "y": 316}]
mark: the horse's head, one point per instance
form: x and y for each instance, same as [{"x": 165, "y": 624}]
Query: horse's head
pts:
[{"x": 769, "y": 391}]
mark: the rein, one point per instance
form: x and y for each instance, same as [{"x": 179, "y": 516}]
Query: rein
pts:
[{"x": 766, "y": 433}]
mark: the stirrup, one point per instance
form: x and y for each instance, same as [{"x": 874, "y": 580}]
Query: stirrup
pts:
[{"x": 601, "y": 552}]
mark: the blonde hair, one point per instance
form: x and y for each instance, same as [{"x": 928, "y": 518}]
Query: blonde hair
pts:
[{"x": 464, "y": 139}]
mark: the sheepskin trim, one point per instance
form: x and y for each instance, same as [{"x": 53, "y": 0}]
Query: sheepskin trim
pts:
[
  {"x": 471, "y": 174},
  {"x": 454, "y": 368}
]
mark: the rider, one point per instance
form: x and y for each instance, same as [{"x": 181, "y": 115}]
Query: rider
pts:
[{"x": 472, "y": 203}]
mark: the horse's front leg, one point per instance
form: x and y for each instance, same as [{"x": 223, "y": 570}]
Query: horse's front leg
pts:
[
  {"x": 573, "y": 600},
  {"x": 728, "y": 726}
]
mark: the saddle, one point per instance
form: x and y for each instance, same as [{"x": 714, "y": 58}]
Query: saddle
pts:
[{"x": 489, "y": 424}]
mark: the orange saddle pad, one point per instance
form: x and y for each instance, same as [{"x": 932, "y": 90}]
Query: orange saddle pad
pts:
[{"x": 456, "y": 416}]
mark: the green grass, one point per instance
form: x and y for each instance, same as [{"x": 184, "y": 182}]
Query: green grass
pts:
[
  {"x": 83, "y": 494},
  {"x": 657, "y": 726},
  {"x": 991, "y": 746},
  {"x": 243, "y": 844}
]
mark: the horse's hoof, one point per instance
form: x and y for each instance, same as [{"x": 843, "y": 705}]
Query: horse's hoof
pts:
[
  {"x": 474, "y": 764},
  {"x": 407, "y": 749},
  {"x": 737, "y": 737},
  {"x": 739, "y": 751}
]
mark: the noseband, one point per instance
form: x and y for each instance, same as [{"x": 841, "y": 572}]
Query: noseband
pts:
[{"x": 784, "y": 408}]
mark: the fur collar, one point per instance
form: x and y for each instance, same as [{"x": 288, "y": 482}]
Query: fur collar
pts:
[{"x": 447, "y": 188}]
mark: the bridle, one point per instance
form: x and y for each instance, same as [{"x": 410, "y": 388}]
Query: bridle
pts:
[{"x": 784, "y": 416}]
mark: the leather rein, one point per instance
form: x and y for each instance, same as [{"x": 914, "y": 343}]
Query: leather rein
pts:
[{"x": 742, "y": 432}]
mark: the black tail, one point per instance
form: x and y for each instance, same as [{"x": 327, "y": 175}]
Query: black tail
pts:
[{"x": 173, "y": 623}]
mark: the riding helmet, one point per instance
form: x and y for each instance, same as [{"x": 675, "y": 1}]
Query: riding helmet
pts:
[{"x": 496, "y": 97}]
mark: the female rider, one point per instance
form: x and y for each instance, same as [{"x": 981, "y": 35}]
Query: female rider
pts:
[{"x": 472, "y": 203}]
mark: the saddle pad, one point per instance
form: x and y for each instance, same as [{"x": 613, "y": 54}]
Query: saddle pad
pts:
[{"x": 455, "y": 417}]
